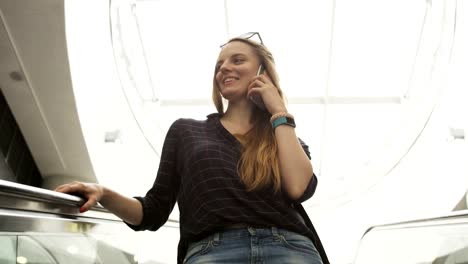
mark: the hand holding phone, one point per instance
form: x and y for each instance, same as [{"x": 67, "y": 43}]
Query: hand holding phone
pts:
[{"x": 257, "y": 99}]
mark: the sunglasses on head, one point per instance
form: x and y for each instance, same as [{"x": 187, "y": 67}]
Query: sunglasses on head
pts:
[{"x": 248, "y": 35}]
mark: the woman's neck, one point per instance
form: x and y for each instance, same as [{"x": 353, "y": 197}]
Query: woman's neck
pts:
[{"x": 237, "y": 118}]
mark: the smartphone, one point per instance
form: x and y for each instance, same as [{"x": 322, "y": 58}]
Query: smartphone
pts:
[
  {"x": 261, "y": 69},
  {"x": 257, "y": 99}
]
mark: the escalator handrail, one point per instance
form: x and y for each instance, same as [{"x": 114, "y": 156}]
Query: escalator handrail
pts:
[
  {"x": 455, "y": 217},
  {"x": 43, "y": 195},
  {"x": 27, "y": 192}
]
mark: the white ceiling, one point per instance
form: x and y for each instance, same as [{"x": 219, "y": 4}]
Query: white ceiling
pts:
[
  {"x": 351, "y": 71},
  {"x": 348, "y": 70}
]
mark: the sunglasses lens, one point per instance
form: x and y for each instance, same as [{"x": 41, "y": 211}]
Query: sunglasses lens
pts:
[{"x": 249, "y": 35}]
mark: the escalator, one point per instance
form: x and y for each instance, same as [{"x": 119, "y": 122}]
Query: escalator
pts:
[
  {"x": 438, "y": 240},
  {"x": 44, "y": 227}
]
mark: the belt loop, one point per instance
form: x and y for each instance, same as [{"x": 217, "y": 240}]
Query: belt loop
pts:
[
  {"x": 252, "y": 231},
  {"x": 216, "y": 237},
  {"x": 274, "y": 231}
]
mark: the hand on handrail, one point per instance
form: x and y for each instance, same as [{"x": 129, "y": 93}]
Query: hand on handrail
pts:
[{"x": 91, "y": 192}]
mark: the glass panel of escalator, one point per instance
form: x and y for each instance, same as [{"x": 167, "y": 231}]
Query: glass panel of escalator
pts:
[
  {"x": 7, "y": 249},
  {"x": 33, "y": 252},
  {"x": 70, "y": 249}
]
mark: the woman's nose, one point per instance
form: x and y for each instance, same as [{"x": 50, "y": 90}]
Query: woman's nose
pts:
[{"x": 225, "y": 67}]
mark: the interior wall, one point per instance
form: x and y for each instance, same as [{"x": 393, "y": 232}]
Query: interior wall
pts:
[{"x": 16, "y": 161}]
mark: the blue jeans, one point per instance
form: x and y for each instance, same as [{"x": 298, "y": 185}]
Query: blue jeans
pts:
[{"x": 254, "y": 246}]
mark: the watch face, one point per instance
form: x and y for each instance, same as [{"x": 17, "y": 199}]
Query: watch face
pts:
[{"x": 290, "y": 121}]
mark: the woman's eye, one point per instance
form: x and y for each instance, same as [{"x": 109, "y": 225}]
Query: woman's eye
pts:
[{"x": 237, "y": 61}]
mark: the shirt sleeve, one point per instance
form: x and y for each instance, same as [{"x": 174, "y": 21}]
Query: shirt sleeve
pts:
[
  {"x": 160, "y": 199},
  {"x": 310, "y": 190}
]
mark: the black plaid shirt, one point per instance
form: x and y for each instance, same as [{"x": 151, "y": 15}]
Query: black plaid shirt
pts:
[{"x": 198, "y": 169}]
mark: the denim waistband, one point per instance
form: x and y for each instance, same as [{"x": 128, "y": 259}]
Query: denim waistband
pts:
[{"x": 244, "y": 232}]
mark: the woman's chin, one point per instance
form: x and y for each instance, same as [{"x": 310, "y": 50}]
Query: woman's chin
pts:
[{"x": 231, "y": 93}]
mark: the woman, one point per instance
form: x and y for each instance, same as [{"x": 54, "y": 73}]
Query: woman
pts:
[{"x": 238, "y": 177}]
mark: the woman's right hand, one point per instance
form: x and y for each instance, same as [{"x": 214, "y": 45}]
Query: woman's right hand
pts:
[{"x": 91, "y": 192}]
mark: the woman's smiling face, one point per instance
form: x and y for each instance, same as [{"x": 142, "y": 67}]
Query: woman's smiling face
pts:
[{"x": 236, "y": 66}]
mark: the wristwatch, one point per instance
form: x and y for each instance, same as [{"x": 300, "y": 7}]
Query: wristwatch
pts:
[{"x": 283, "y": 120}]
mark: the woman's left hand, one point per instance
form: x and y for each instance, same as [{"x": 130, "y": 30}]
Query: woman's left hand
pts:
[{"x": 262, "y": 86}]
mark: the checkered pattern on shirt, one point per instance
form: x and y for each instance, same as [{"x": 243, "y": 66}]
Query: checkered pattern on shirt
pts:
[{"x": 198, "y": 169}]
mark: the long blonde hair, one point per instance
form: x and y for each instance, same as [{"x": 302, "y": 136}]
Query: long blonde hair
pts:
[{"x": 258, "y": 165}]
